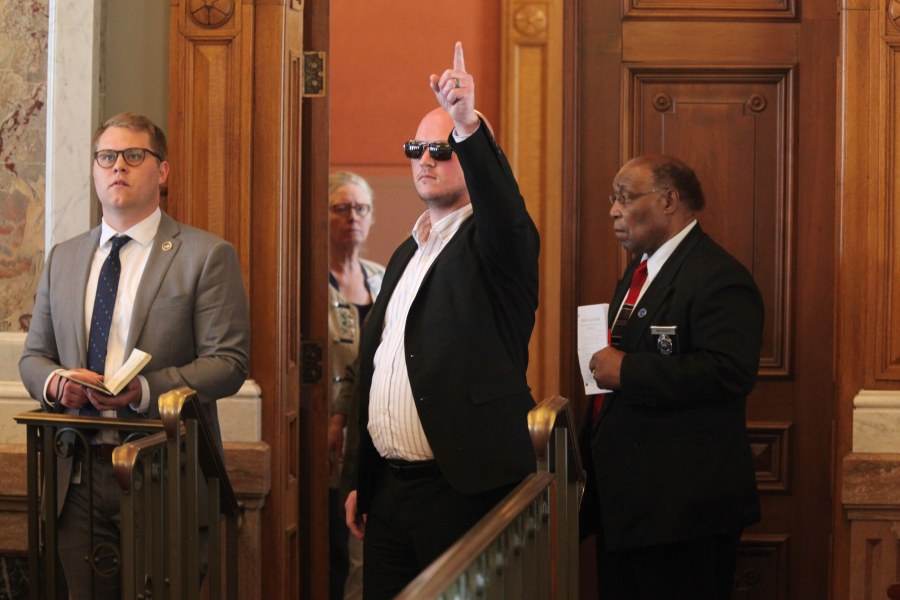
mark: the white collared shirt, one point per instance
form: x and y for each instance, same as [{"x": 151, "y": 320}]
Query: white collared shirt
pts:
[
  {"x": 659, "y": 258},
  {"x": 133, "y": 258},
  {"x": 393, "y": 418}
]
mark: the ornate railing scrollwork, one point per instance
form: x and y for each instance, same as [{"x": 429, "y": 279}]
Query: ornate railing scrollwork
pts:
[{"x": 160, "y": 466}]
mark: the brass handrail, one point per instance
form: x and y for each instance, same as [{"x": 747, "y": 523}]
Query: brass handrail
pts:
[
  {"x": 542, "y": 419},
  {"x": 174, "y": 406},
  {"x": 435, "y": 578},
  {"x": 559, "y": 472},
  {"x": 39, "y": 417}
]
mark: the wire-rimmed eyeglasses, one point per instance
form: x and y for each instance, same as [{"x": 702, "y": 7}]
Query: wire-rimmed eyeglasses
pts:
[
  {"x": 343, "y": 210},
  {"x": 624, "y": 198}
]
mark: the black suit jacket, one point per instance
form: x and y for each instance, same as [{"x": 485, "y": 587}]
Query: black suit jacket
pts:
[
  {"x": 670, "y": 456},
  {"x": 467, "y": 334}
]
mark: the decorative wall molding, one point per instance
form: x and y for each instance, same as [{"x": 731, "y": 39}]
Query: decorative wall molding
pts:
[
  {"x": 876, "y": 421},
  {"x": 712, "y": 10},
  {"x": 531, "y": 19},
  {"x": 211, "y": 13},
  {"x": 770, "y": 445},
  {"x": 887, "y": 346},
  {"x": 762, "y": 567},
  {"x": 871, "y": 499}
]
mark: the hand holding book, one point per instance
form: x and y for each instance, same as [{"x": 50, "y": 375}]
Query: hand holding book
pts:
[{"x": 115, "y": 383}]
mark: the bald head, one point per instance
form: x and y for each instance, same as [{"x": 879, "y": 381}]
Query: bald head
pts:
[{"x": 436, "y": 123}]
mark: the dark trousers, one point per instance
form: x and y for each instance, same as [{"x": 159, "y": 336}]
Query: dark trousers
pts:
[
  {"x": 338, "y": 552},
  {"x": 698, "y": 569},
  {"x": 100, "y": 578},
  {"x": 410, "y": 523}
]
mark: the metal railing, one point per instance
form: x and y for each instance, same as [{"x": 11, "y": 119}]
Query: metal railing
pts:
[
  {"x": 177, "y": 499},
  {"x": 527, "y": 546}
]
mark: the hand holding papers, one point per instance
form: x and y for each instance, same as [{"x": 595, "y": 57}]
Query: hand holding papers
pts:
[
  {"x": 593, "y": 335},
  {"x": 115, "y": 383}
]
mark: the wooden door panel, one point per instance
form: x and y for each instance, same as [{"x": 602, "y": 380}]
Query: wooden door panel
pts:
[
  {"x": 734, "y": 125},
  {"x": 718, "y": 83},
  {"x": 706, "y": 42}
]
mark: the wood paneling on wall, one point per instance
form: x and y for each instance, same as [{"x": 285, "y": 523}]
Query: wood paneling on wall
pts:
[
  {"x": 236, "y": 137},
  {"x": 887, "y": 345},
  {"x": 209, "y": 125},
  {"x": 531, "y": 112},
  {"x": 867, "y": 520}
]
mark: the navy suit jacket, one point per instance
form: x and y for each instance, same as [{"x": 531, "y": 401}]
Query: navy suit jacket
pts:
[
  {"x": 467, "y": 334},
  {"x": 670, "y": 459}
]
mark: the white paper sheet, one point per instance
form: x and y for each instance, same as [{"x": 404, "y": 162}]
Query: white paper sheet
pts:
[{"x": 593, "y": 335}]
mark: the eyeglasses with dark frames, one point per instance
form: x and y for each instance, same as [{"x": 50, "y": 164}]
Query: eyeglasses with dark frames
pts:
[
  {"x": 133, "y": 156},
  {"x": 343, "y": 210},
  {"x": 625, "y": 198},
  {"x": 438, "y": 150}
]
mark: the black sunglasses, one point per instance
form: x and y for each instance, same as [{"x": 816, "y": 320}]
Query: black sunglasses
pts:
[{"x": 438, "y": 150}]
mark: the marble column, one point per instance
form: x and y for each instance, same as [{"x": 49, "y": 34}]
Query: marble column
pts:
[{"x": 72, "y": 112}]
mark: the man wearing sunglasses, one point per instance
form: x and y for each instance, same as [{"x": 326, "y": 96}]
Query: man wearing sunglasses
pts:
[
  {"x": 139, "y": 280},
  {"x": 443, "y": 394}
]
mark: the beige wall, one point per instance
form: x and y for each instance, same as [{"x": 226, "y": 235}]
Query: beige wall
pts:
[{"x": 135, "y": 59}]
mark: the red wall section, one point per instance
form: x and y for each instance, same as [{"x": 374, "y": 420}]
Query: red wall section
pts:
[{"x": 380, "y": 58}]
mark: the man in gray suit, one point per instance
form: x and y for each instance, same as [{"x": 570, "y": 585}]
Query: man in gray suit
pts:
[{"x": 176, "y": 294}]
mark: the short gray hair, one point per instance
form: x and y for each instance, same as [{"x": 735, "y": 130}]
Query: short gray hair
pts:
[{"x": 339, "y": 179}]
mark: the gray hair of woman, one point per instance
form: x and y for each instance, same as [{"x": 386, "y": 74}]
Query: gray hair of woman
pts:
[{"x": 339, "y": 179}]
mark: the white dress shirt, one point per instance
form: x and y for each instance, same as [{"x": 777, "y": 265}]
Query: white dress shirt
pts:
[
  {"x": 133, "y": 258},
  {"x": 658, "y": 259},
  {"x": 393, "y": 418}
]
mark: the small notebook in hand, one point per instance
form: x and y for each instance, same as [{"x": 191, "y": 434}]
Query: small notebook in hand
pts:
[{"x": 115, "y": 383}]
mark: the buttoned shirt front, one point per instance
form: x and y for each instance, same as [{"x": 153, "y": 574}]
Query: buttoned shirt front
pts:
[{"x": 393, "y": 418}]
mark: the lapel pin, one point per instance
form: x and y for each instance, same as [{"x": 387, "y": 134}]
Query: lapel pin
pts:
[
  {"x": 642, "y": 313},
  {"x": 166, "y": 246}
]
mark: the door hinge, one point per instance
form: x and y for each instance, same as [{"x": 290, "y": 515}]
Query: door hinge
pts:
[
  {"x": 313, "y": 74},
  {"x": 311, "y": 363}
]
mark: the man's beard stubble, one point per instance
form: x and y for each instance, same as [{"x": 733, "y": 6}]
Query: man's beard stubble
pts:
[{"x": 445, "y": 200}]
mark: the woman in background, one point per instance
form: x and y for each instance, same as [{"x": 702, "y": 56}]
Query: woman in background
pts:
[{"x": 353, "y": 286}]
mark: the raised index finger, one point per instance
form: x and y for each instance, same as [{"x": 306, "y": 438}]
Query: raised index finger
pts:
[{"x": 459, "y": 63}]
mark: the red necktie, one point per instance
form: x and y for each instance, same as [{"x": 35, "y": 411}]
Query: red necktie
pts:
[{"x": 638, "y": 278}]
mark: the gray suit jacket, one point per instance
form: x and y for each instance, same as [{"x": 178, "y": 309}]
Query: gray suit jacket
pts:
[{"x": 191, "y": 315}]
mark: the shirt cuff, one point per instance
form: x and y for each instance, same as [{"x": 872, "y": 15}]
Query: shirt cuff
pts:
[
  {"x": 47, "y": 384},
  {"x": 145, "y": 397},
  {"x": 458, "y": 138}
]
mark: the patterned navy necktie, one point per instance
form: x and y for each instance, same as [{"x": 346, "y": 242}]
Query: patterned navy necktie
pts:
[{"x": 104, "y": 303}]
